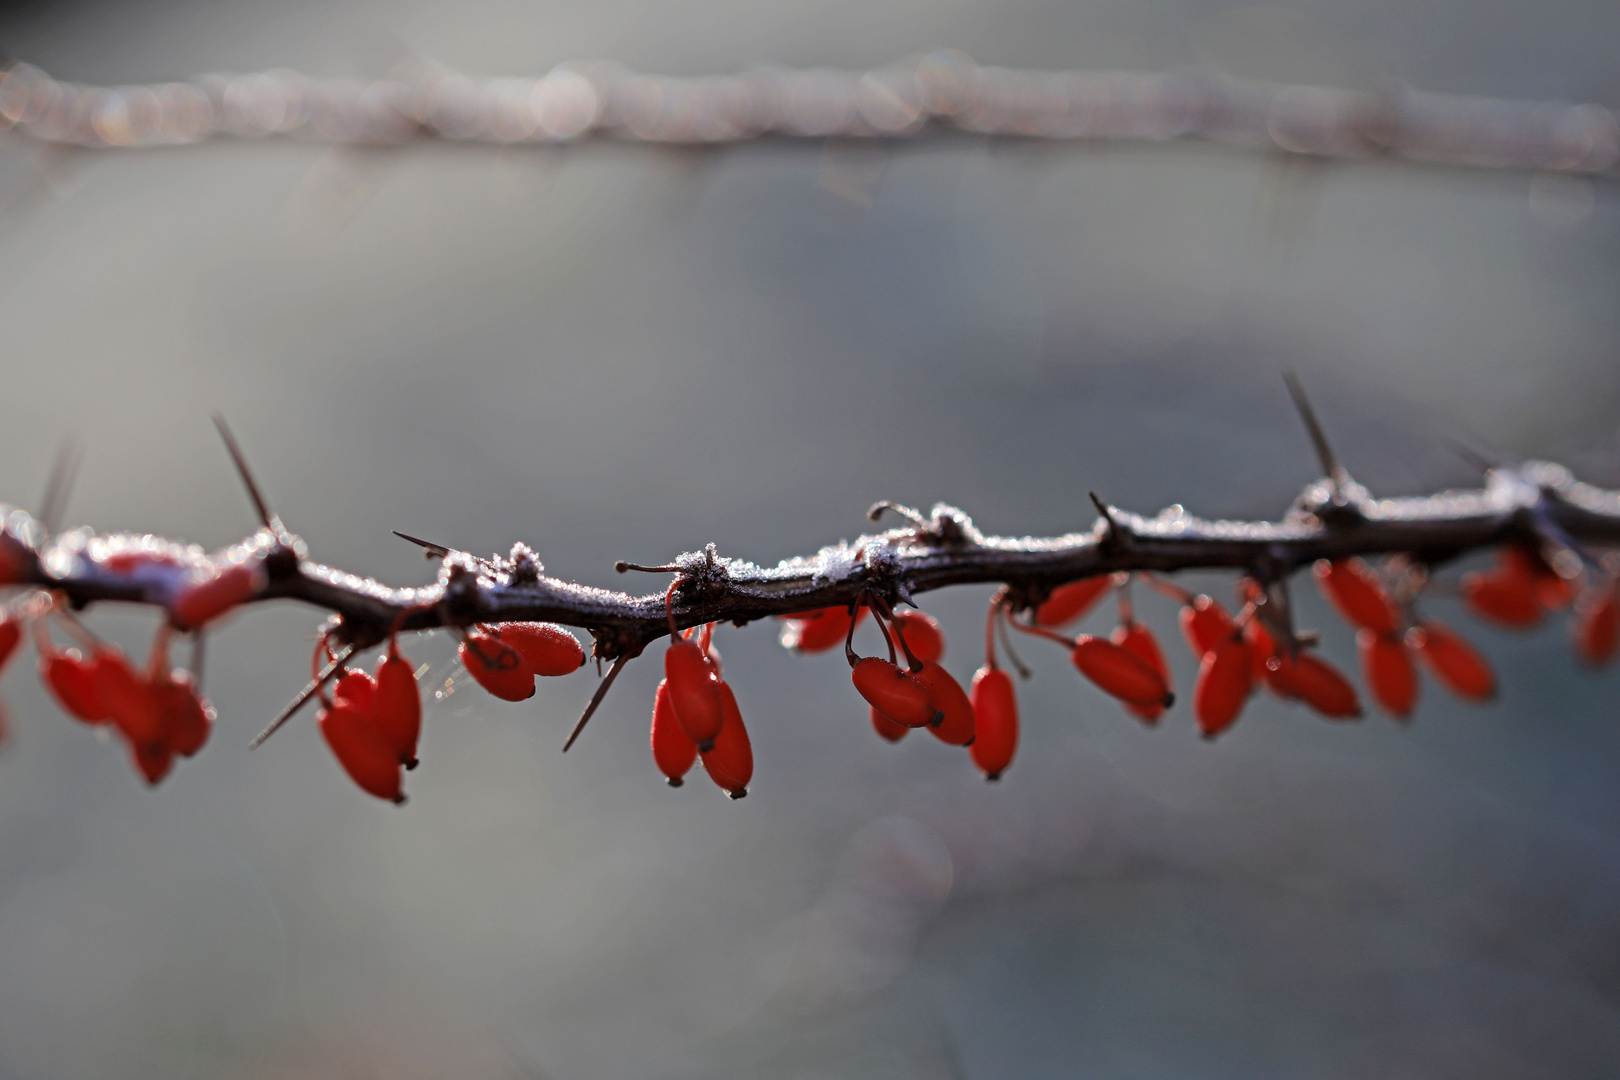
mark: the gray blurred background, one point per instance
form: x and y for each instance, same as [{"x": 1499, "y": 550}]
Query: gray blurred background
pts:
[{"x": 617, "y": 352}]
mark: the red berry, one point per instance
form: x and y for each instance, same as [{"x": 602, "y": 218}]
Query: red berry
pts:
[
  {"x": 497, "y": 667},
  {"x": 1506, "y": 599},
  {"x": 694, "y": 690},
  {"x": 1454, "y": 662},
  {"x": 152, "y": 759},
  {"x": 357, "y": 688},
  {"x": 894, "y": 693},
  {"x": 361, "y": 750},
  {"x": 956, "y": 724},
  {"x": 922, "y": 633},
  {"x": 1524, "y": 564},
  {"x": 1389, "y": 672},
  {"x": 209, "y": 599},
  {"x": 1315, "y": 682},
  {"x": 1597, "y": 626},
  {"x": 396, "y": 705},
  {"x": 1136, "y": 638},
  {"x": 1261, "y": 649},
  {"x": 730, "y": 761},
  {"x": 1224, "y": 682},
  {"x": 187, "y": 718},
  {"x": 10, "y": 635},
  {"x": 1205, "y": 624},
  {"x": 672, "y": 751},
  {"x": 546, "y": 647},
  {"x": 128, "y": 700},
  {"x": 72, "y": 681},
  {"x": 1120, "y": 672},
  {"x": 995, "y": 713},
  {"x": 1358, "y": 595},
  {"x": 887, "y": 728},
  {"x": 1066, "y": 603},
  {"x": 819, "y": 630}
]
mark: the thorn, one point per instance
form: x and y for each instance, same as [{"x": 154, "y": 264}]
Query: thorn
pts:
[
  {"x": 63, "y": 472},
  {"x": 621, "y": 566},
  {"x": 596, "y": 699},
  {"x": 875, "y": 511},
  {"x": 1107, "y": 514},
  {"x": 266, "y": 518},
  {"x": 1331, "y": 468},
  {"x": 437, "y": 551},
  {"x": 304, "y": 695}
]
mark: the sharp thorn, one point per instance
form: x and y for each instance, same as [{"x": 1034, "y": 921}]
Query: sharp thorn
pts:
[
  {"x": 438, "y": 550},
  {"x": 304, "y": 695},
  {"x": 596, "y": 699},
  {"x": 1313, "y": 426},
  {"x": 266, "y": 518},
  {"x": 57, "y": 488}
]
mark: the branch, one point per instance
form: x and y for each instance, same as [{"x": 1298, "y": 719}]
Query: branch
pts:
[
  {"x": 940, "y": 95},
  {"x": 1535, "y": 503}
]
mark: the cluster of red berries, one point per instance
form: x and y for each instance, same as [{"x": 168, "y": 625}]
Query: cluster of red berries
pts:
[{"x": 695, "y": 715}]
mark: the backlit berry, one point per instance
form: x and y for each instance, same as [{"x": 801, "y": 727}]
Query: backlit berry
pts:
[
  {"x": 819, "y": 630},
  {"x": 955, "y": 726},
  {"x": 396, "y": 705},
  {"x": 673, "y": 752},
  {"x": 1205, "y": 624},
  {"x": 547, "y": 648},
  {"x": 1452, "y": 660},
  {"x": 1137, "y": 638},
  {"x": 1224, "y": 682},
  {"x": 1505, "y": 599},
  {"x": 995, "y": 714},
  {"x": 1120, "y": 672},
  {"x": 1309, "y": 678},
  {"x": 888, "y": 729},
  {"x": 127, "y": 698},
  {"x": 72, "y": 681},
  {"x": 1066, "y": 603},
  {"x": 1387, "y": 665},
  {"x": 1597, "y": 625},
  {"x": 496, "y": 666},
  {"x": 202, "y": 603},
  {"x": 922, "y": 633},
  {"x": 694, "y": 690},
  {"x": 1357, "y": 594},
  {"x": 730, "y": 761},
  {"x": 360, "y": 749},
  {"x": 896, "y": 694}
]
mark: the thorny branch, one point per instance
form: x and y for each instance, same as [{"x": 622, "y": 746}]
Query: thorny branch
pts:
[{"x": 941, "y": 94}]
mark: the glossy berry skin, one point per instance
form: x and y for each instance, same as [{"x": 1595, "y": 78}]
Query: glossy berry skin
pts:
[
  {"x": 894, "y": 693},
  {"x": 730, "y": 761},
  {"x": 1066, "y": 603},
  {"x": 1120, "y": 672},
  {"x": 1205, "y": 624},
  {"x": 10, "y": 636},
  {"x": 207, "y": 600},
  {"x": 370, "y": 762},
  {"x": 955, "y": 727},
  {"x": 1261, "y": 649},
  {"x": 923, "y": 634},
  {"x": 1526, "y": 565},
  {"x": 995, "y": 713},
  {"x": 1312, "y": 680},
  {"x": 694, "y": 690},
  {"x": 819, "y": 630},
  {"x": 396, "y": 706},
  {"x": 886, "y": 728},
  {"x": 186, "y": 716},
  {"x": 71, "y": 680},
  {"x": 547, "y": 648},
  {"x": 128, "y": 700},
  {"x": 1225, "y": 677},
  {"x": 1357, "y": 594},
  {"x": 672, "y": 751},
  {"x": 497, "y": 667},
  {"x": 357, "y": 688},
  {"x": 1505, "y": 599},
  {"x": 153, "y": 760},
  {"x": 1597, "y": 626},
  {"x": 1136, "y": 638},
  {"x": 1387, "y": 665},
  {"x": 1452, "y": 660}
]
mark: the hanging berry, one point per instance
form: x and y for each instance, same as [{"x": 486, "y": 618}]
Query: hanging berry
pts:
[
  {"x": 357, "y": 688},
  {"x": 1224, "y": 682},
  {"x": 1452, "y": 660},
  {"x": 1120, "y": 672},
  {"x": 1597, "y": 625},
  {"x": 1066, "y": 603},
  {"x": 1357, "y": 594},
  {"x": 995, "y": 714},
  {"x": 361, "y": 750},
  {"x": 397, "y": 704},
  {"x": 730, "y": 760},
  {"x": 72, "y": 681},
  {"x": 923, "y": 634},
  {"x": 202, "y": 603},
  {"x": 547, "y": 648},
  {"x": 153, "y": 760},
  {"x": 1389, "y": 672},
  {"x": 888, "y": 729},
  {"x": 1505, "y": 595},
  {"x": 186, "y": 716},
  {"x": 1526, "y": 565},
  {"x": 1136, "y": 638},
  {"x": 673, "y": 752},
  {"x": 896, "y": 694},
  {"x": 127, "y": 699},
  {"x": 955, "y": 725},
  {"x": 497, "y": 666},
  {"x": 819, "y": 630},
  {"x": 694, "y": 690},
  {"x": 10, "y": 637},
  {"x": 1205, "y": 624},
  {"x": 1320, "y": 685}
]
